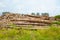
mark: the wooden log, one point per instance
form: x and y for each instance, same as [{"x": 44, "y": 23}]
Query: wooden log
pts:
[{"x": 36, "y": 21}]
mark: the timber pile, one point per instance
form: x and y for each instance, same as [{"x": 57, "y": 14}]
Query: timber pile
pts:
[{"x": 20, "y": 19}]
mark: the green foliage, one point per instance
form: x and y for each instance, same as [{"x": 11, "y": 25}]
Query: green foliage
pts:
[
  {"x": 5, "y": 13},
  {"x": 37, "y": 14},
  {"x": 45, "y": 14},
  {"x": 32, "y": 13},
  {"x": 57, "y": 16},
  {"x": 52, "y": 33},
  {"x": 56, "y": 22}
]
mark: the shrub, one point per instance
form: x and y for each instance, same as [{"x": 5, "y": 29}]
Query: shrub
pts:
[
  {"x": 57, "y": 16},
  {"x": 52, "y": 33},
  {"x": 56, "y": 22}
]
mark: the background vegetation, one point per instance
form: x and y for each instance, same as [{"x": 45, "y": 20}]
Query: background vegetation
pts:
[{"x": 52, "y": 33}]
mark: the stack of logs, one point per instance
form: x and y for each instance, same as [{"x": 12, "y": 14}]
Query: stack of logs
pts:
[{"x": 20, "y": 19}]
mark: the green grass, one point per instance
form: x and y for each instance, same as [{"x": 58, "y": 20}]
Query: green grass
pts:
[{"x": 52, "y": 33}]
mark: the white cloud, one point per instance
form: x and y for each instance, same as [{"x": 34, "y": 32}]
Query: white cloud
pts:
[
  {"x": 2, "y": 5},
  {"x": 16, "y": 1},
  {"x": 28, "y": 6}
]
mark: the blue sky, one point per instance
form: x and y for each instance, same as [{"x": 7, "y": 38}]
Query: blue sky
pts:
[{"x": 28, "y": 6}]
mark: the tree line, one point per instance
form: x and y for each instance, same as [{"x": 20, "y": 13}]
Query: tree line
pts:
[{"x": 37, "y": 14}]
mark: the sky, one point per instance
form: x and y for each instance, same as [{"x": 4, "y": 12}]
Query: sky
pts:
[{"x": 28, "y": 6}]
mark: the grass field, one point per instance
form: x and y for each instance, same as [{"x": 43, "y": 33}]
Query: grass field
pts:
[{"x": 52, "y": 33}]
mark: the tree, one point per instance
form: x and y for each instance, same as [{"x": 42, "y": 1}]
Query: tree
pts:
[
  {"x": 57, "y": 16},
  {"x": 32, "y": 13},
  {"x": 37, "y": 14},
  {"x": 5, "y": 13},
  {"x": 45, "y": 14}
]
